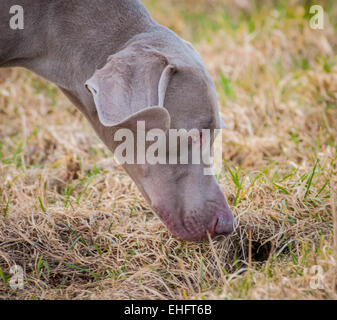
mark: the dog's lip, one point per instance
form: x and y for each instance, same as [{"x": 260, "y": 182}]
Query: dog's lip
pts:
[
  {"x": 183, "y": 234},
  {"x": 181, "y": 231}
]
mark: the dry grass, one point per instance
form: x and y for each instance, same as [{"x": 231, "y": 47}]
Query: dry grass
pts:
[{"x": 78, "y": 226}]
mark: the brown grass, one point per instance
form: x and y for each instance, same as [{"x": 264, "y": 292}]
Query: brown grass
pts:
[{"x": 80, "y": 229}]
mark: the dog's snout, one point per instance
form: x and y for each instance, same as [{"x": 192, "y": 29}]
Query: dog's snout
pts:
[
  {"x": 224, "y": 226},
  {"x": 91, "y": 88}
]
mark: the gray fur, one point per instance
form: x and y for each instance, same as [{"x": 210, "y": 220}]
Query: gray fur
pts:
[{"x": 139, "y": 70}]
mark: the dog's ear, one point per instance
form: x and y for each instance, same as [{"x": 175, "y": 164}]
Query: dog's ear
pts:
[{"x": 131, "y": 87}]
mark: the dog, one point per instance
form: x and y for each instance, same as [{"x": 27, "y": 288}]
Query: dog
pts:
[{"x": 119, "y": 67}]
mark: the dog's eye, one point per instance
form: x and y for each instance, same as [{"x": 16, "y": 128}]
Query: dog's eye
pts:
[{"x": 88, "y": 89}]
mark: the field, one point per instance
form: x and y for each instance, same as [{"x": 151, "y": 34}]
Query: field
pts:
[{"x": 76, "y": 224}]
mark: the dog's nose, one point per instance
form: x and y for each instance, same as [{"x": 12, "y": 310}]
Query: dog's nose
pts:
[
  {"x": 91, "y": 88},
  {"x": 224, "y": 225}
]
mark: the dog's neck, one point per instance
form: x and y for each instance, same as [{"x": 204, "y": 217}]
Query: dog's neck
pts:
[{"x": 65, "y": 41}]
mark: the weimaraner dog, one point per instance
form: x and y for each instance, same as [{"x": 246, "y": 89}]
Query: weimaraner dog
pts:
[{"x": 119, "y": 67}]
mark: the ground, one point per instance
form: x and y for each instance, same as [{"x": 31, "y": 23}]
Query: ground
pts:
[{"x": 78, "y": 227}]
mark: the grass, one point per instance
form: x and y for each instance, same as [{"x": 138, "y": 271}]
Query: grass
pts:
[{"x": 79, "y": 228}]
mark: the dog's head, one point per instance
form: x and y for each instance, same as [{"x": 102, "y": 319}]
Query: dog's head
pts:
[{"x": 164, "y": 85}]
